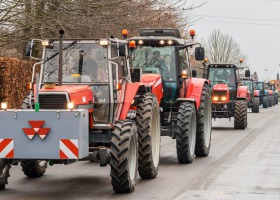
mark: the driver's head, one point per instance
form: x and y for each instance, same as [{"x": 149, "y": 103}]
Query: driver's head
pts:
[{"x": 156, "y": 54}]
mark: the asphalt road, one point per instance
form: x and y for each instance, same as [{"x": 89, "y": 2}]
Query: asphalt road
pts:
[{"x": 243, "y": 164}]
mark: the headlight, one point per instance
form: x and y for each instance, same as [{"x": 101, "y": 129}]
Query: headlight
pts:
[
  {"x": 4, "y": 105},
  {"x": 224, "y": 98},
  {"x": 215, "y": 98},
  {"x": 70, "y": 105}
]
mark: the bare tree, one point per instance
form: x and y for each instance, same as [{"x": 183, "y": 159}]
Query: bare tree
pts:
[
  {"x": 221, "y": 48},
  {"x": 22, "y": 20}
]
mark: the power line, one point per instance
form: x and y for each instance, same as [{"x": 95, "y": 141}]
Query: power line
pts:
[
  {"x": 240, "y": 23},
  {"x": 239, "y": 18}
]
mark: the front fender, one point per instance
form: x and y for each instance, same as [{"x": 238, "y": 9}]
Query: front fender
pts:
[
  {"x": 130, "y": 92},
  {"x": 242, "y": 92},
  {"x": 194, "y": 88},
  {"x": 256, "y": 93}
]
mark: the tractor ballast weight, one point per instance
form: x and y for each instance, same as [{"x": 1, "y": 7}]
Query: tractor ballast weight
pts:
[
  {"x": 185, "y": 115},
  {"x": 83, "y": 106},
  {"x": 228, "y": 98}
]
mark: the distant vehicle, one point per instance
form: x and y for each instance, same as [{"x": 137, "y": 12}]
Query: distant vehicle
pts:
[
  {"x": 228, "y": 98},
  {"x": 254, "y": 99}
]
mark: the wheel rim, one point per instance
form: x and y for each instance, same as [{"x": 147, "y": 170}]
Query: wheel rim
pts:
[
  {"x": 207, "y": 121},
  {"x": 42, "y": 163},
  {"x": 155, "y": 136},
  {"x": 132, "y": 157},
  {"x": 192, "y": 136}
]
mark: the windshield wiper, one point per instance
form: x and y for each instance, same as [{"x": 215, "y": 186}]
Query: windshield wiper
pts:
[{"x": 54, "y": 55}]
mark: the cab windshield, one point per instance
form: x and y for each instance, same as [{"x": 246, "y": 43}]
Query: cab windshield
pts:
[
  {"x": 156, "y": 60},
  {"x": 249, "y": 84},
  {"x": 82, "y": 62},
  {"x": 222, "y": 75}
]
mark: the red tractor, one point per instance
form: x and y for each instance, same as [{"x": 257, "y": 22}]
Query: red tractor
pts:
[
  {"x": 228, "y": 98},
  {"x": 162, "y": 58},
  {"x": 82, "y": 106},
  {"x": 254, "y": 100}
]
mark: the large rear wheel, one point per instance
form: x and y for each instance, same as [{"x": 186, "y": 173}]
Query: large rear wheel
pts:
[
  {"x": 204, "y": 124},
  {"x": 148, "y": 129},
  {"x": 4, "y": 173},
  {"x": 186, "y": 133},
  {"x": 123, "y": 156},
  {"x": 240, "y": 114}
]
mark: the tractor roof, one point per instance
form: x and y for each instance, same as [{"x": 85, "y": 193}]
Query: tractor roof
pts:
[
  {"x": 223, "y": 65},
  {"x": 157, "y": 32}
]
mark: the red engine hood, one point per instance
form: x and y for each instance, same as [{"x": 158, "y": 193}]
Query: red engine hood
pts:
[
  {"x": 70, "y": 89},
  {"x": 220, "y": 87}
]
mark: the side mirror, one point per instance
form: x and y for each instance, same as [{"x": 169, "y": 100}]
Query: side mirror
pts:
[
  {"x": 28, "y": 49},
  {"x": 199, "y": 53},
  {"x": 122, "y": 49},
  {"x": 247, "y": 73},
  {"x": 194, "y": 73}
]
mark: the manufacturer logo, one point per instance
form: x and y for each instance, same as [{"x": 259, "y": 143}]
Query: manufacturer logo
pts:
[{"x": 36, "y": 128}]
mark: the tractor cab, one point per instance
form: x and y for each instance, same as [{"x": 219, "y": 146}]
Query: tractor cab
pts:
[
  {"x": 162, "y": 51},
  {"x": 91, "y": 77},
  {"x": 249, "y": 82},
  {"x": 224, "y": 74}
]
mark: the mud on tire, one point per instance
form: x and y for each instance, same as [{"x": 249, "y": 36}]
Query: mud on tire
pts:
[
  {"x": 186, "y": 133},
  {"x": 148, "y": 130},
  {"x": 204, "y": 124},
  {"x": 123, "y": 156},
  {"x": 240, "y": 114},
  {"x": 4, "y": 173}
]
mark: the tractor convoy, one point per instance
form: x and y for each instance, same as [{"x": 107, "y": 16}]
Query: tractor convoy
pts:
[
  {"x": 92, "y": 99},
  {"x": 228, "y": 98}
]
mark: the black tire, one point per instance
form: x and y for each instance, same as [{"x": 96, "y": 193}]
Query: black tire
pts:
[
  {"x": 240, "y": 114},
  {"x": 276, "y": 99},
  {"x": 256, "y": 102},
  {"x": 186, "y": 133},
  {"x": 273, "y": 100},
  {"x": 148, "y": 130},
  {"x": 34, "y": 168},
  {"x": 4, "y": 173},
  {"x": 265, "y": 101},
  {"x": 204, "y": 124},
  {"x": 124, "y": 156},
  {"x": 269, "y": 101}
]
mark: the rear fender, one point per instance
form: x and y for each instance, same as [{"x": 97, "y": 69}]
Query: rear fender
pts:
[
  {"x": 243, "y": 92},
  {"x": 194, "y": 87},
  {"x": 131, "y": 90}
]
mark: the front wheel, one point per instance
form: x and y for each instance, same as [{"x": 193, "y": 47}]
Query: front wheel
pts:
[
  {"x": 240, "y": 115},
  {"x": 148, "y": 129},
  {"x": 34, "y": 168},
  {"x": 265, "y": 102},
  {"x": 123, "y": 156},
  {"x": 186, "y": 133},
  {"x": 4, "y": 173},
  {"x": 256, "y": 102}
]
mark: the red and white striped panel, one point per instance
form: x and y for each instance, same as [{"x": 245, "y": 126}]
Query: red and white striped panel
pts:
[
  {"x": 68, "y": 149},
  {"x": 6, "y": 148}
]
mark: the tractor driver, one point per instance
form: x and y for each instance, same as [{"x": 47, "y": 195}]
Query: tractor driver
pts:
[{"x": 157, "y": 62}]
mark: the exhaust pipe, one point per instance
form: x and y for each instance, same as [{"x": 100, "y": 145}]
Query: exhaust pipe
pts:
[{"x": 60, "y": 61}]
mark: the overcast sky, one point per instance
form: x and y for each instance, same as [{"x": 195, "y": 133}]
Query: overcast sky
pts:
[{"x": 253, "y": 24}]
